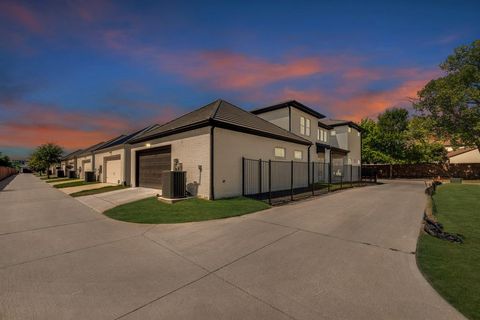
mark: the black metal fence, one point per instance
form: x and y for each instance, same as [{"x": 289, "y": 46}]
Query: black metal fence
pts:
[{"x": 287, "y": 180}]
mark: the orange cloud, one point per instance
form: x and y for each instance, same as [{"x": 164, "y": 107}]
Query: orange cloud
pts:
[
  {"x": 31, "y": 135},
  {"x": 352, "y": 101},
  {"x": 228, "y": 70},
  {"x": 22, "y": 15}
]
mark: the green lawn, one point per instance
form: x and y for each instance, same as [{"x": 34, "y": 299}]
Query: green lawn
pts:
[
  {"x": 96, "y": 191},
  {"x": 153, "y": 211},
  {"x": 73, "y": 184},
  {"x": 59, "y": 180},
  {"x": 453, "y": 269}
]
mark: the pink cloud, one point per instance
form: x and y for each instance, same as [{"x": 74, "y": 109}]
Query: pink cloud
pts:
[{"x": 22, "y": 15}]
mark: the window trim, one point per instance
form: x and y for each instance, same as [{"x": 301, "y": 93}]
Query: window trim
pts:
[{"x": 308, "y": 130}]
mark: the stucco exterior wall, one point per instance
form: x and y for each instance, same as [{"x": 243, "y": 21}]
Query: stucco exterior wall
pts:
[
  {"x": 467, "y": 157},
  {"x": 231, "y": 146},
  {"x": 278, "y": 117},
  {"x": 79, "y": 164},
  {"x": 192, "y": 149},
  {"x": 99, "y": 157},
  {"x": 355, "y": 147}
]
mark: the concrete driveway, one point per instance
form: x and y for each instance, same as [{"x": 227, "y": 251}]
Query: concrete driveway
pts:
[
  {"x": 347, "y": 255},
  {"x": 107, "y": 200}
]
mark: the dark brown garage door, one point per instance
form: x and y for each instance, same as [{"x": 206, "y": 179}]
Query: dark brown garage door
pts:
[{"x": 150, "y": 165}]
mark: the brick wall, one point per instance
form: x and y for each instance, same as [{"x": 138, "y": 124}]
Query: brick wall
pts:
[{"x": 427, "y": 170}]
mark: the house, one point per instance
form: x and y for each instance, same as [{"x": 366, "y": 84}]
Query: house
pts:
[
  {"x": 112, "y": 159},
  {"x": 209, "y": 143},
  {"x": 464, "y": 155},
  {"x": 338, "y": 141},
  {"x": 69, "y": 162}
]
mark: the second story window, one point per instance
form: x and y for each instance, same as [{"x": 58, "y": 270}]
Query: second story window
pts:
[
  {"x": 333, "y": 132},
  {"x": 304, "y": 126}
]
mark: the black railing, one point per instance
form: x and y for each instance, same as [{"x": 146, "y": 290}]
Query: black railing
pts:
[{"x": 288, "y": 180}]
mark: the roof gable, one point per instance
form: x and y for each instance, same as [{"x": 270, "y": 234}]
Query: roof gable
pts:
[{"x": 286, "y": 104}]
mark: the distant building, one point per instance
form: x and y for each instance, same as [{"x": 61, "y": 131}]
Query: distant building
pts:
[{"x": 464, "y": 155}]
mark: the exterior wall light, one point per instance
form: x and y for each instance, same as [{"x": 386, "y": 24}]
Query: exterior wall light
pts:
[{"x": 147, "y": 145}]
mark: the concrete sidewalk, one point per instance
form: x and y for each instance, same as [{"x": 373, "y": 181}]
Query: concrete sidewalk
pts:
[
  {"x": 92, "y": 186},
  {"x": 347, "y": 255},
  {"x": 107, "y": 200}
]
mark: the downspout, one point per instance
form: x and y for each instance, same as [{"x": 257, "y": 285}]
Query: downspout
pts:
[{"x": 212, "y": 163}]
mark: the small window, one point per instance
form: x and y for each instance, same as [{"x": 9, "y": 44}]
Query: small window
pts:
[
  {"x": 332, "y": 133},
  {"x": 349, "y": 129},
  {"x": 298, "y": 155},
  {"x": 302, "y": 125},
  {"x": 307, "y": 127},
  {"x": 318, "y": 134},
  {"x": 280, "y": 152},
  {"x": 358, "y": 133}
]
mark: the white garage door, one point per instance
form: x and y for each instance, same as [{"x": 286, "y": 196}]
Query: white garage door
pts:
[{"x": 113, "y": 171}]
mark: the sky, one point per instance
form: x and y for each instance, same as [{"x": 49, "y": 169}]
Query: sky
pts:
[{"x": 77, "y": 72}]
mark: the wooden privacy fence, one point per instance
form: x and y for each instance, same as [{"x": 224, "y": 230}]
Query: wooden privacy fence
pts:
[
  {"x": 426, "y": 170},
  {"x": 6, "y": 172}
]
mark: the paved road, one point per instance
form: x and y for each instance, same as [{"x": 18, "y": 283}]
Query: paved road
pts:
[{"x": 347, "y": 255}]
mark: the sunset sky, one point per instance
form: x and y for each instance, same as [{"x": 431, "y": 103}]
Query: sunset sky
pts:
[{"x": 79, "y": 72}]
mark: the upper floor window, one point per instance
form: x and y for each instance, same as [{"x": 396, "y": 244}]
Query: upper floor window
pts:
[
  {"x": 322, "y": 135},
  {"x": 280, "y": 152},
  {"x": 358, "y": 133},
  {"x": 333, "y": 132},
  {"x": 349, "y": 129},
  {"x": 304, "y": 126},
  {"x": 298, "y": 155}
]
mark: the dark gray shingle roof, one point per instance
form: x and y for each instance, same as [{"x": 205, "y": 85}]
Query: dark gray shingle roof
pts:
[{"x": 222, "y": 114}]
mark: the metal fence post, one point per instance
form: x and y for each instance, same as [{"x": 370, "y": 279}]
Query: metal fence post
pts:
[
  {"x": 260, "y": 176},
  {"x": 313, "y": 178},
  {"x": 243, "y": 176},
  {"x": 291, "y": 180},
  {"x": 341, "y": 177},
  {"x": 270, "y": 182},
  {"x": 351, "y": 175},
  {"x": 329, "y": 174}
]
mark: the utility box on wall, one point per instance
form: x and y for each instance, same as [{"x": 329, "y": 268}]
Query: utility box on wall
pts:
[{"x": 174, "y": 184}]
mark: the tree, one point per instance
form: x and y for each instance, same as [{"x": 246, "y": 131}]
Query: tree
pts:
[
  {"x": 398, "y": 138},
  {"x": 5, "y": 161},
  {"x": 46, "y": 155},
  {"x": 452, "y": 102}
]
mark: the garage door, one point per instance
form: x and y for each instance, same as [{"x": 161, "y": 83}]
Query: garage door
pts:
[
  {"x": 112, "y": 171},
  {"x": 150, "y": 165}
]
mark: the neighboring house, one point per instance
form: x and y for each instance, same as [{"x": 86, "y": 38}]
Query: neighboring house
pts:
[
  {"x": 338, "y": 141},
  {"x": 85, "y": 161},
  {"x": 69, "y": 162},
  {"x": 209, "y": 143},
  {"x": 112, "y": 160},
  {"x": 464, "y": 155}
]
